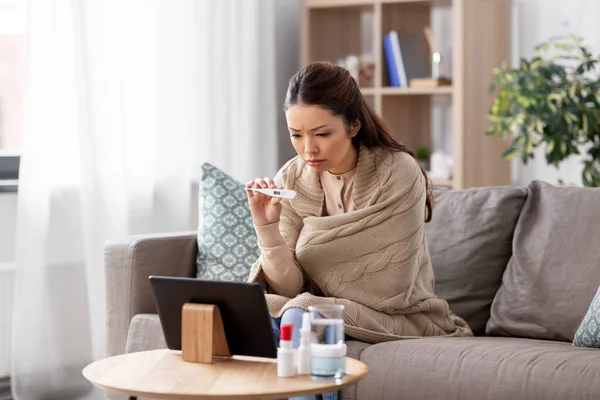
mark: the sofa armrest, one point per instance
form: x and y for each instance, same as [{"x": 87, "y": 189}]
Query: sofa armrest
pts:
[{"x": 128, "y": 264}]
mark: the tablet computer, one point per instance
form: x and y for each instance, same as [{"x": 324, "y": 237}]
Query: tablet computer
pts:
[{"x": 242, "y": 306}]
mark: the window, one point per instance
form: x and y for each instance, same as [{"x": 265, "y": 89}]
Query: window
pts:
[{"x": 12, "y": 69}]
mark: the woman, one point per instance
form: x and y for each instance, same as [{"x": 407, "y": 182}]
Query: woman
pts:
[{"x": 354, "y": 235}]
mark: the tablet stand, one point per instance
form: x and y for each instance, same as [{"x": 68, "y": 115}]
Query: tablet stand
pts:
[{"x": 202, "y": 333}]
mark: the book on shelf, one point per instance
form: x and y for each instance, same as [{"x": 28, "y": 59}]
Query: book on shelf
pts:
[
  {"x": 405, "y": 58},
  {"x": 390, "y": 61}
]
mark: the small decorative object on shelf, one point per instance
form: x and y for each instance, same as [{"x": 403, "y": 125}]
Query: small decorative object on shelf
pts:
[
  {"x": 366, "y": 73},
  {"x": 352, "y": 64},
  {"x": 441, "y": 166},
  {"x": 361, "y": 68},
  {"x": 436, "y": 60},
  {"x": 423, "y": 155}
]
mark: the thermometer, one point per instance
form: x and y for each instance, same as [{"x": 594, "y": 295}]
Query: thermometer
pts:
[{"x": 283, "y": 193}]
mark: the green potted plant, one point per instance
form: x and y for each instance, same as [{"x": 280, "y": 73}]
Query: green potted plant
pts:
[
  {"x": 551, "y": 100},
  {"x": 423, "y": 155}
]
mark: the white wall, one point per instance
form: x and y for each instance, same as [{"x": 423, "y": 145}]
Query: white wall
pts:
[
  {"x": 8, "y": 220},
  {"x": 536, "y": 21},
  {"x": 8, "y": 224}
]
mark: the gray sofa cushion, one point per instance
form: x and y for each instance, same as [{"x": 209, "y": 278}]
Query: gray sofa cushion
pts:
[
  {"x": 479, "y": 368},
  {"x": 145, "y": 333},
  {"x": 555, "y": 269},
  {"x": 470, "y": 239},
  {"x": 355, "y": 348}
]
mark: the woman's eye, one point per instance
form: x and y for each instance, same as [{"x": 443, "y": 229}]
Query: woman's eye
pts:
[
  {"x": 294, "y": 135},
  {"x": 325, "y": 134}
]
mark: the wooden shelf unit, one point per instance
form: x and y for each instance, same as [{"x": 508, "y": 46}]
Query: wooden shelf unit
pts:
[{"x": 481, "y": 40}]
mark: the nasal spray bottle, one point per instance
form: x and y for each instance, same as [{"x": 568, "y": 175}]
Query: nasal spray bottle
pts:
[
  {"x": 285, "y": 353},
  {"x": 304, "y": 349}
]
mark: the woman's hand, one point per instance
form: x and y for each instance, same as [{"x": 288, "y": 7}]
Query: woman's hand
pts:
[{"x": 265, "y": 209}]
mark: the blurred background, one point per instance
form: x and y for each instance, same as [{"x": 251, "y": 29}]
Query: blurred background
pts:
[{"x": 109, "y": 109}]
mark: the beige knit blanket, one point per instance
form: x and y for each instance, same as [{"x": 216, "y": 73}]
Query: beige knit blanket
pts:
[{"x": 374, "y": 260}]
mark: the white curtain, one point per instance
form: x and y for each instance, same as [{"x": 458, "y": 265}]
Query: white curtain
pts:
[
  {"x": 124, "y": 100},
  {"x": 239, "y": 74}
]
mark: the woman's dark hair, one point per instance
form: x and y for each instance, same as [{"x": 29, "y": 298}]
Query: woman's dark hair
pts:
[{"x": 331, "y": 87}]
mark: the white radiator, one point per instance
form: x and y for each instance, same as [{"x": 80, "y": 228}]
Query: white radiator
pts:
[{"x": 6, "y": 299}]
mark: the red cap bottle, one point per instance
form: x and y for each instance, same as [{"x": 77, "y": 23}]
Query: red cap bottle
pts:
[
  {"x": 285, "y": 336},
  {"x": 285, "y": 354}
]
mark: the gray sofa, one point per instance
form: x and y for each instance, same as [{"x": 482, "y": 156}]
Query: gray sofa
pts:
[{"x": 520, "y": 264}]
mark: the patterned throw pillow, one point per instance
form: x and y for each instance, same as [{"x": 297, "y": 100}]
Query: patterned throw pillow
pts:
[
  {"x": 588, "y": 334},
  {"x": 227, "y": 243}
]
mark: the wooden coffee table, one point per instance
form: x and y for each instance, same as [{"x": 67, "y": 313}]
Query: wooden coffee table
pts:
[{"x": 163, "y": 374}]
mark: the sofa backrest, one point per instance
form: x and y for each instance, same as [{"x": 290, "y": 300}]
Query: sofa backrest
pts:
[
  {"x": 470, "y": 242},
  {"x": 554, "y": 272}
]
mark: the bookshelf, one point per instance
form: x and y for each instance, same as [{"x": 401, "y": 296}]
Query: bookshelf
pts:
[{"x": 448, "y": 118}]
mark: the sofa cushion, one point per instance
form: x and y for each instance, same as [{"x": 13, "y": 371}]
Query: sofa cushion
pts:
[
  {"x": 145, "y": 333},
  {"x": 479, "y": 368},
  {"x": 355, "y": 348},
  {"x": 588, "y": 333},
  {"x": 555, "y": 268},
  {"x": 470, "y": 239},
  {"x": 227, "y": 242}
]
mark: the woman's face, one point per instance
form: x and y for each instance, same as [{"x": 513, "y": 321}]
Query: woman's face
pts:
[{"x": 322, "y": 139}]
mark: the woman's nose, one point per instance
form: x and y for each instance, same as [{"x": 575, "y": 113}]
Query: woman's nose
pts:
[{"x": 310, "y": 147}]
